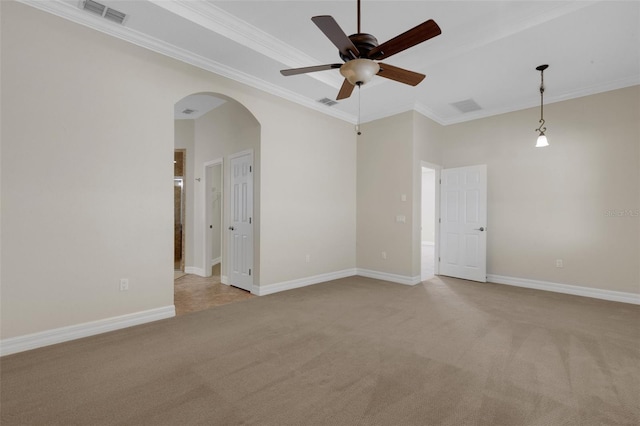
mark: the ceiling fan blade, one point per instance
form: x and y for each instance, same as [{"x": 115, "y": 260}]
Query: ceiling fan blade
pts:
[
  {"x": 400, "y": 74},
  {"x": 294, "y": 71},
  {"x": 332, "y": 30},
  {"x": 345, "y": 90},
  {"x": 415, "y": 35}
]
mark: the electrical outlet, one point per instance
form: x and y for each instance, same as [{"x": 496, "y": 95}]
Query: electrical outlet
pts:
[
  {"x": 124, "y": 284},
  {"x": 308, "y": 258},
  {"x": 384, "y": 254},
  {"x": 559, "y": 263}
]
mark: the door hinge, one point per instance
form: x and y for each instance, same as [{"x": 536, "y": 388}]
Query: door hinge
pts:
[
  {"x": 438, "y": 259},
  {"x": 250, "y": 169},
  {"x": 249, "y": 271},
  {"x": 440, "y": 181},
  {"x": 249, "y": 221},
  {"x": 439, "y": 220}
]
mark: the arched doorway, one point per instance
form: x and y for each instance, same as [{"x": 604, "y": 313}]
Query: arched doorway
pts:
[{"x": 212, "y": 129}]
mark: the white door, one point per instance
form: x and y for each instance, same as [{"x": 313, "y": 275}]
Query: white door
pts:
[
  {"x": 241, "y": 221},
  {"x": 463, "y": 228}
]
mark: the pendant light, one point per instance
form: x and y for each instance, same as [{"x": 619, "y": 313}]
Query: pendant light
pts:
[{"x": 542, "y": 138}]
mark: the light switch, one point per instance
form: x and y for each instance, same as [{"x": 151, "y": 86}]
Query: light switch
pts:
[
  {"x": 403, "y": 197},
  {"x": 401, "y": 218}
]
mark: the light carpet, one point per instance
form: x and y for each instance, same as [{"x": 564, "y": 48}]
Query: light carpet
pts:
[{"x": 354, "y": 351}]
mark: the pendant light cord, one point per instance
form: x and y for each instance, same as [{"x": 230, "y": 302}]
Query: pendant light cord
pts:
[
  {"x": 542, "y": 97},
  {"x": 541, "y": 129}
]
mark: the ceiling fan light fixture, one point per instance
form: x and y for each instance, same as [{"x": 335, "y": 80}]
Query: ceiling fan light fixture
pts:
[
  {"x": 360, "y": 51},
  {"x": 359, "y": 71}
]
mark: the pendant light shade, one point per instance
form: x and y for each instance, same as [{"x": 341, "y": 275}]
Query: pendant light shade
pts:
[
  {"x": 542, "y": 141},
  {"x": 359, "y": 71},
  {"x": 542, "y": 138}
]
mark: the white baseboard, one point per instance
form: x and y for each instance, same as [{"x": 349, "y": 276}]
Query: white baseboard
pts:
[
  {"x": 224, "y": 280},
  {"x": 194, "y": 270},
  {"x": 596, "y": 293},
  {"x": 400, "y": 279},
  {"x": 302, "y": 282},
  {"x": 64, "y": 334}
]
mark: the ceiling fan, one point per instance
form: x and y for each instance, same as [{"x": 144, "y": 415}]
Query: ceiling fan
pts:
[{"x": 360, "y": 52}]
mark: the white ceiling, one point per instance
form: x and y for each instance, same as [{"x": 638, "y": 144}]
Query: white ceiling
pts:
[
  {"x": 488, "y": 50},
  {"x": 195, "y": 106}
]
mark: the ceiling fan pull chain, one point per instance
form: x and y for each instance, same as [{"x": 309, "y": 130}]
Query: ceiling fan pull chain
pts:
[{"x": 358, "y": 132}]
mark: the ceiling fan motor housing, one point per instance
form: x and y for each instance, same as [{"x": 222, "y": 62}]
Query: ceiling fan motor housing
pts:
[{"x": 364, "y": 43}]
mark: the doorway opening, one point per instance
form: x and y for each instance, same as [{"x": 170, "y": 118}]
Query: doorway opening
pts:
[
  {"x": 429, "y": 234},
  {"x": 179, "y": 174},
  {"x": 212, "y": 129}
]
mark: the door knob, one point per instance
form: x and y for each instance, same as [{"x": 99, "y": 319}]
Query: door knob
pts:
[
  {"x": 231, "y": 228},
  {"x": 479, "y": 229}
]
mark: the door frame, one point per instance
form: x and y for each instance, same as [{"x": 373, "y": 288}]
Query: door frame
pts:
[
  {"x": 436, "y": 249},
  {"x": 206, "y": 240},
  {"x": 183, "y": 205}
]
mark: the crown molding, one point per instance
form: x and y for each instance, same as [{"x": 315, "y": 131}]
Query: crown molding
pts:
[
  {"x": 215, "y": 19},
  {"x": 485, "y": 113},
  {"x": 75, "y": 14}
]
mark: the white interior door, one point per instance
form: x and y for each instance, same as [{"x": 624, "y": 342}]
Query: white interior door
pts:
[
  {"x": 463, "y": 228},
  {"x": 241, "y": 221}
]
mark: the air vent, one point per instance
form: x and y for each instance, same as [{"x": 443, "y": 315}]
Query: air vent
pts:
[
  {"x": 468, "y": 105},
  {"x": 114, "y": 15},
  {"x": 94, "y": 7},
  {"x": 188, "y": 111},
  {"x": 327, "y": 101},
  {"x": 104, "y": 11}
]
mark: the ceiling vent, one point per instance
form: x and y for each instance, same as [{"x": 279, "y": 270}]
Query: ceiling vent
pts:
[
  {"x": 327, "y": 101},
  {"x": 104, "y": 11},
  {"x": 189, "y": 111},
  {"x": 468, "y": 105}
]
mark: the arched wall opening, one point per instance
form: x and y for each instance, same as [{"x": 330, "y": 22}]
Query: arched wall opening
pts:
[{"x": 212, "y": 129}]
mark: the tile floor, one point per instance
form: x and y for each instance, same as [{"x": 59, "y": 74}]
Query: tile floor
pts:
[{"x": 193, "y": 293}]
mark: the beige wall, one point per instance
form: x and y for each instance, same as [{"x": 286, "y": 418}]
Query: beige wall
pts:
[
  {"x": 390, "y": 156},
  {"x": 308, "y": 196},
  {"x": 543, "y": 204},
  {"x": 214, "y": 183},
  {"x": 385, "y": 157},
  {"x": 390, "y": 152},
  {"x": 78, "y": 215},
  {"x": 552, "y": 203}
]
